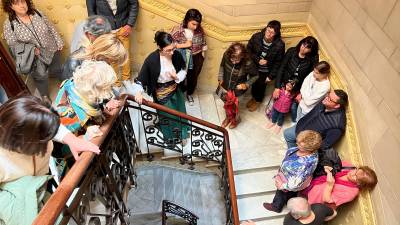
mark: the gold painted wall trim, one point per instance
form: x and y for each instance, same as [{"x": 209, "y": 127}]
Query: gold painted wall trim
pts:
[
  {"x": 367, "y": 213},
  {"x": 217, "y": 29}
]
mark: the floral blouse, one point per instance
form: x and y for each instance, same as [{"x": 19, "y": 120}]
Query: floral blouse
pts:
[
  {"x": 41, "y": 32},
  {"x": 298, "y": 170}
]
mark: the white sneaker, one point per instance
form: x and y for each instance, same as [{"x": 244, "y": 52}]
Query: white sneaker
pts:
[{"x": 190, "y": 100}]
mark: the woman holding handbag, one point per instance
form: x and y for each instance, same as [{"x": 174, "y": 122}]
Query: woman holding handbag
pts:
[
  {"x": 26, "y": 25},
  {"x": 236, "y": 74}
]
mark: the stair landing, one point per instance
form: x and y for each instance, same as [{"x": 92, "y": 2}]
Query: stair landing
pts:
[{"x": 256, "y": 153}]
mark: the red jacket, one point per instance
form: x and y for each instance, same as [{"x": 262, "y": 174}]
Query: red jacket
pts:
[{"x": 283, "y": 103}]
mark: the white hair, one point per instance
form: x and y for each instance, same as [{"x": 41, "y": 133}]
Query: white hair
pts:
[
  {"x": 94, "y": 80},
  {"x": 298, "y": 207}
]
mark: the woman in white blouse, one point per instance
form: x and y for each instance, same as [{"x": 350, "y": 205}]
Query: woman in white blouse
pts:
[{"x": 162, "y": 72}]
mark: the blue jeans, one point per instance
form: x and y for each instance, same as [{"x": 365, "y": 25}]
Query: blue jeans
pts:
[
  {"x": 293, "y": 111},
  {"x": 3, "y": 95},
  {"x": 290, "y": 136},
  {"x": 277, "y": 117}
]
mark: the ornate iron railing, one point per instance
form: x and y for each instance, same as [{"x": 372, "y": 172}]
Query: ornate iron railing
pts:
[
  {"x": 206, "y": 141},
  {"x": 106, "y": 176},
  {"x": 169, "y": 207}
]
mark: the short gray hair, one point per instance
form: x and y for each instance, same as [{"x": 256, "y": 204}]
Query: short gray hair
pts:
[
  {"x": 298, "y": 207},
  {"x": 97, "y": 25}
]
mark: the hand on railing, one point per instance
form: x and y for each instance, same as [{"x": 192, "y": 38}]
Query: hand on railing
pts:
[
  {"x": 78, "y": 145},
  {"x": 92, "y": 132},
  {"x": 139, "y": 98},
  {"x": 112, "y": 105}
]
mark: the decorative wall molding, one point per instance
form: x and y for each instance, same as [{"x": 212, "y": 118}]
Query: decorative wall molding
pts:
[{"x": 215, "y": 29}]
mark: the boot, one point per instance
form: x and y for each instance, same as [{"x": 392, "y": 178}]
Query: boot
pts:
[
  {"x": 226, "y": 122},
  {"x": 254, "y": 106},
  {"x": 250, "y": 102},
  {"x": 234, "y": 123}
]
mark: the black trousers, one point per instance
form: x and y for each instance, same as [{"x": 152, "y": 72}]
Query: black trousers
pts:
[
  {"x": 281, "y": 198},
  {"x": 258, "y": 87},
  {"x": 193, "y": 74}
]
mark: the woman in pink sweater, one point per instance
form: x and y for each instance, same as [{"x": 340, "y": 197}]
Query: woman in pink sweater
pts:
[{"x": 342, "y": 188}]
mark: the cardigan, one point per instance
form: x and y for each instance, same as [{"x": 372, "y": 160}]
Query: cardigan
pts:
[
  {"x": 150, "y": 71},
  {"x": 274, "y": 56}
]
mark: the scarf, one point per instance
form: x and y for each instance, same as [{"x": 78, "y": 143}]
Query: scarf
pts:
[
  {"x": 231, "y": 105},
  {"x": 74, "y": 108}
]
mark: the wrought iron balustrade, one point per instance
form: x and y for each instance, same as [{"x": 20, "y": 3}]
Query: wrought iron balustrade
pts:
[{"x": 106, "y": 176}]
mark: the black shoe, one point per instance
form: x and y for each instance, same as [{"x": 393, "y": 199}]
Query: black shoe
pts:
[
  {"x": 190, "y": 100},
  {"x": 270, "y": 207}
]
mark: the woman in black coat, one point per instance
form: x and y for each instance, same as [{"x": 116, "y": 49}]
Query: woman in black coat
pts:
[{"x": 298, "y": 62}]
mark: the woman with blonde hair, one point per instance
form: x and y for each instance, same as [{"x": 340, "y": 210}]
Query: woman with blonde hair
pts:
[
  {"x": 105, "y": 48},
  {"x": 80, "y": 100}
]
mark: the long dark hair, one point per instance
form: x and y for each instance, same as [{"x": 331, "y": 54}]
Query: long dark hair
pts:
[
  {"x": 6, "y": 4},
  {"x": 192, "y": 14},
  {"x": 27, "y": 125},
  {"x": 163, "y": 39},
  {"x": 311, "y": 43}
]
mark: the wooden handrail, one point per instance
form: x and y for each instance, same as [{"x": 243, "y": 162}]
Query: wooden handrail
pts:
[
  {"x": 56, "y": 203},
  {"x": 231, "y": 179}
]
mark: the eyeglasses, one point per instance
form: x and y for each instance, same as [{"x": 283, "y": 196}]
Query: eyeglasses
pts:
[
  {"x": 169, "y": 50},
  {"x": 330, "y": 99}
]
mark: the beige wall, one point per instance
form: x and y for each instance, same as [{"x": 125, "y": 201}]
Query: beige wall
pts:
[{"x": 363, "y": 40}]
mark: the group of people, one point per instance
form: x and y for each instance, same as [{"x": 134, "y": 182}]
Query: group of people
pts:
[{"x": 99, "y": 64}]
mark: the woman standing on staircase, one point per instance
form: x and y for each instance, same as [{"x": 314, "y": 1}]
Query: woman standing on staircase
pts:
[
  {"x": 28, "y": 31},
  {"x": 236, "y": 74},
  {"x": 162, "y": 72},
  {"x": 191, "y": 42}
]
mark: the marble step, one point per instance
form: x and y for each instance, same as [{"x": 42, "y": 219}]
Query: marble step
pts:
[
  {"x": 255, "y": 183},
  {"x": 257, "y": 158},
  {"x": 252, "y": 207},
  {"x": 193, "y": 110},
  {"x": 208, "y": 108}
]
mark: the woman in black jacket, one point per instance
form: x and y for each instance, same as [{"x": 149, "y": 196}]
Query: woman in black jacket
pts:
[
  {"x": 161, "y": 73},
  {"x": 298, "y": 62},
  {"x": 266, "y": 50}
]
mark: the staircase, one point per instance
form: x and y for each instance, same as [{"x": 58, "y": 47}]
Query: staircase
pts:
[
  {"x": 195, "y": 190},
  {"x": 256, "y": 153}
]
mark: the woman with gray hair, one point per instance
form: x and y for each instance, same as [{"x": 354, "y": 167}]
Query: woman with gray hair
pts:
[
  {"x": 91, "y": 28},
  {"x": 300, "y": 212},
  {"x": 86, "y": 32}
]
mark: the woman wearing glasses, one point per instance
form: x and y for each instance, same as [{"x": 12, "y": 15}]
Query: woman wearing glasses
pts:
[
  {"x": 162, "y": 72},
  {"x": 236, "y": 74},
  {"x": 298, "y": 62},
  {"x": 341, "y": 188}
]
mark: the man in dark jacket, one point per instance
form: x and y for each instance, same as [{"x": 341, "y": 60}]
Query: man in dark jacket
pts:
[
  {"x": 267, "y": 50},
  {"x": 122, "y": 16},
  {"x": 328, "y": 118}
]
